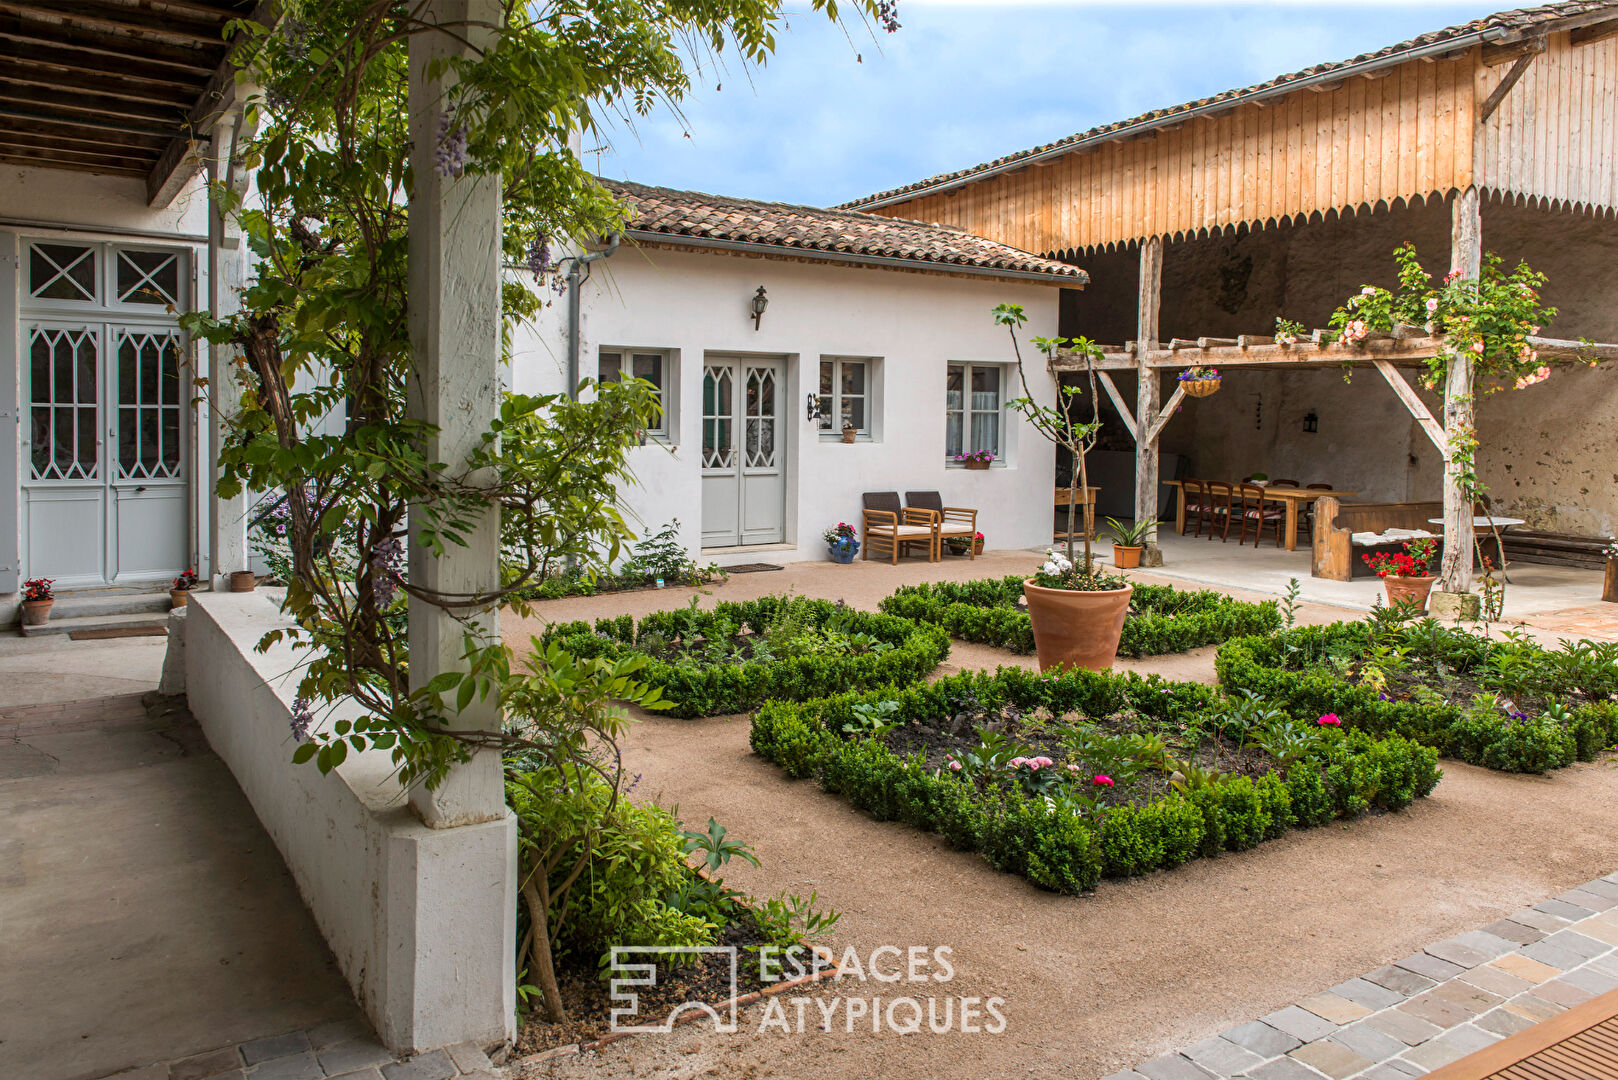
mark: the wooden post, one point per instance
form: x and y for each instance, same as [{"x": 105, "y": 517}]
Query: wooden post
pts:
[
  {"x": 1148, "y": 395},
  {"x": 454, "y": 290},
  {"x": 1466, "y": 257}
]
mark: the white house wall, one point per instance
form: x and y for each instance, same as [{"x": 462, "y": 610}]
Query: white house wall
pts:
[{"x": 697, "y": 303}]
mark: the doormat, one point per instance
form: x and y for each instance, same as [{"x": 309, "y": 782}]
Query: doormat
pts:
[
  {"x": 751, "y": 568},
  {"x": 117, "y": 632}
]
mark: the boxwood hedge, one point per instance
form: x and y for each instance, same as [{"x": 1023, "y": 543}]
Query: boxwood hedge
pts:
[
  {"x": 908, "y": 651},
  {"x": 1548, "y": 707},
  {"x": 1349, "y": 772},
  {"x": 1161, "y": 619}
]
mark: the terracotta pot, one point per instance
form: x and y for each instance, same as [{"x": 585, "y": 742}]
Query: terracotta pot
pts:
[
  {"x": 849, "y": 435},
  {"x": 177, "y": 597},
  {"x": 1126, "y": 558},
  {"x": 977, "y": 465},
  {"x": 1408, "y": 590},
  {"x": 977, "y": 547},
  {"x": 1609, "y": 586},
  {"x": 1076, "y": 629},
  {"x": 36, "y": 612},
  {"x": 243, "y": 581}
]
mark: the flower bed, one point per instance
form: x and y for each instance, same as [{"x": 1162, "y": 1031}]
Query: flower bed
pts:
[
  {"x": 1508, "y": 705},
  {"x": 1069, "y": 779},
  {"x": 1161, "y": 619},
  {"x": 737, "y": 656}
]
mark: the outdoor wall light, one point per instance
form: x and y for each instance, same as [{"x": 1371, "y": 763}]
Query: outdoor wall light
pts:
[
  {"x": 814, "y": 407},
  {"x": 1311, "y": 422},
  {"x": 759, "y": 303}
]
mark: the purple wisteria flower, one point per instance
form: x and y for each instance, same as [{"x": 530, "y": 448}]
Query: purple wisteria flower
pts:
[
  {"x": 450, "y": 154},
  {"x": 539, "y": 257},
  {"x": 302, "y": 718},
  {"x": 887, "y": 13},
  {"x": 387, "y": 563}
]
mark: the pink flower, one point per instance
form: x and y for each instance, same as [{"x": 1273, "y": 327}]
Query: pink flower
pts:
[
  {"x": 956, "y": 765},
  {"x": 1014, "y": 762},
  {"x": 1041, "y": 762},
  {"x": 1331, "y": 719},
  {"x": 1101, "y": 780},
  {"x": 1432, "y": 305},
  {"x": 1073, "y": 768}
]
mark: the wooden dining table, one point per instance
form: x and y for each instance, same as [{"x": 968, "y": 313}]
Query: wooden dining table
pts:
[{"x": 1292, "y": 498}]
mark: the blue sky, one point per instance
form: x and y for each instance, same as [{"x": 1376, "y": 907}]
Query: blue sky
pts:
[{"x": 833, "y": 117}]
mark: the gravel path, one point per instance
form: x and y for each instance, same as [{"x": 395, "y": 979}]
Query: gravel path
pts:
[{"x": 1097, "y": 983}]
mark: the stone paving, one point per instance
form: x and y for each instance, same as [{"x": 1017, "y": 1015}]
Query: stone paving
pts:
[
  {"x": 1425, "y": 1011},
  {"x": 346, "y": 1050}
]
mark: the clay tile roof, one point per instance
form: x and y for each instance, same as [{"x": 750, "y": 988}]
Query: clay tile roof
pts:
[
  {"x": 663, "y": 214},
  {"x": 1502, "y": 26}
]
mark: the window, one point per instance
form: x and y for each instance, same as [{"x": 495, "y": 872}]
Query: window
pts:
[
  {"x": 619, "y": 364},
  {"x": 972, "y": 409},
  {"x": 62, "y": 272},
  {"x": 845, "y": 397}
]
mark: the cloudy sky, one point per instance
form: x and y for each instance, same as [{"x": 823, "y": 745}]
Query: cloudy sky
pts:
[{"x": 835, "y": 116}]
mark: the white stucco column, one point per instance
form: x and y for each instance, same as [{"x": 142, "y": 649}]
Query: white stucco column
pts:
[
  {"x": 226, "y": 521},
  {"x": 454, "y": 290}
]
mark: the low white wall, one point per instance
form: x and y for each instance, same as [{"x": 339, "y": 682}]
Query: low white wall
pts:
[{"x": 422, "y": 921}]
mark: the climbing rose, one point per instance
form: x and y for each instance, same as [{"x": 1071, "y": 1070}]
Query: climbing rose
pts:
[
  {"x": 1101, "y": 780},
  {"x": 1331, "y": 719}
]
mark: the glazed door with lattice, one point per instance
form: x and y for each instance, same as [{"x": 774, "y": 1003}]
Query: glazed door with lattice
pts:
[{"x": 743, "y": 451}]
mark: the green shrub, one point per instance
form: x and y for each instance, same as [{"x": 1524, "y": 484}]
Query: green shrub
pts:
[
  {"x": 1161, "y": 619},
  {"x": 1045, "y": 839},
  {"x": 896, "y": 651}
]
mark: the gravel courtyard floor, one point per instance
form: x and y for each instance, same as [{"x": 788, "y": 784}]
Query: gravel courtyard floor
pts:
[{"x": 1099, "y": 983}]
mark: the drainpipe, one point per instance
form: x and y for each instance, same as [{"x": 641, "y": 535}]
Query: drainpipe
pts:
[{"x": 578, "y": 272}]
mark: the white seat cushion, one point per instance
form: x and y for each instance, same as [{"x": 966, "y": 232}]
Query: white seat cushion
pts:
[
  {"x": 1391, "y": 536},
  {"x": 907, "y": 530}
]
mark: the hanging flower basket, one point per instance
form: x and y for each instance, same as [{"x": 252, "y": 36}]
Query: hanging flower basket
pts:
[{"x": 1200, "y": 382}]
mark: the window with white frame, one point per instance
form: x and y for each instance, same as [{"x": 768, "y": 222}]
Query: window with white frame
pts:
[
  {"x": 972, "y": 409},
  {"x": 649, "y": 364},
  {"x": 846, "y": 396}
]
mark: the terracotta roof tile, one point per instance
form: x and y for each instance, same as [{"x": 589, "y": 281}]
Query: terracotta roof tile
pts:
[
  {"x": 663, "y": 212},
  {"x": 1501, "y": 26}
]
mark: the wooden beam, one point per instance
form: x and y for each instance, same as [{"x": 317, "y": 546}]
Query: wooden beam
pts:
[
  {"x": 182, "y": 158},
  {"x": 1418, "y": 408},
  {"x": 1588, "y": 35},
  {"x": 1125, "y": 413},
  {"x": 1148, "y": 393},
  {"x": 181, "y": 60},
  {"x": 1564, "y": 349},
  {"x": 1169, "y": 409},
  {"x": 133, "y": 23},
  {"x": 1466, "y": 259},
  {"x": 1498, "y": 94}
]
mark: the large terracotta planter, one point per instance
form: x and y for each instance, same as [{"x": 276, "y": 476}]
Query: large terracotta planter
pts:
[
  {"x": 1408, "y": 590},
  {"x": 36, "y": 612},
  {"x": 1076, "y": 629},
  {"x": 1126, "y": 558}
]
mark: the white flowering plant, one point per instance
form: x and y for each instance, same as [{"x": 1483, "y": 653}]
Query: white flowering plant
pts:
[
  {"x": 1060, "y": 572},
  {"x": 1611, "y": 550}
]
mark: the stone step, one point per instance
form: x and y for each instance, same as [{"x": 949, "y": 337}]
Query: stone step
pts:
[
  {"x": 97, "y": 603},
  {"x": 126, "y": 621}
]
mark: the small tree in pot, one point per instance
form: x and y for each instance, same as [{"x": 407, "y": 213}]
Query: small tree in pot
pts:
[{"x": 1077, "y": 612}]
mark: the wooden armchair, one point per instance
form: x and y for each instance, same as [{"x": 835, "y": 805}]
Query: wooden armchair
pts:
[
  {"x": 951, "y": 521},
  {"x": 888, "y": 523}
]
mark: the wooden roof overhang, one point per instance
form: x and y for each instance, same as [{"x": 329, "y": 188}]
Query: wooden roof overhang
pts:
[{"x": 116, "y": 87}]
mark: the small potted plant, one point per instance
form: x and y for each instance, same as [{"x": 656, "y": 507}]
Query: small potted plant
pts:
[
  {"x": 1128, "y": 541},
  {"x": 840, "y": 542},
  {"x": 1407, "y": 575},
  {"x": 37, "y": 599},
  {"x": 1609, "y": 586},
  {"x": 977, "y": 459},
  {"x": 960, "y": 545},
  {"x": 181, "y": 588},
  {"x": 1200, "y": 381},
  {"x": 850, "y": 432}
]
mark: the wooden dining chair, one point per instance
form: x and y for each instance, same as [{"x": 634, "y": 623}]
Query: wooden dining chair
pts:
[
  {"x": 1196, "y": 505},
  {"x": 1284, "y": 483},
  {"x": 1258, "y": 513},
  {"x": 1318, "y": 487},
  {"x": 1220, "y": 495}
]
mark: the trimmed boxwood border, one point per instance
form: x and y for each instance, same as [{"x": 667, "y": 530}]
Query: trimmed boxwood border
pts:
[
  {"x": 1257, "y": 664},
  {"x": 1057, "y": 851},
  {"x": 1170, "y": 620},
  {"x": 718, "y": 689}
]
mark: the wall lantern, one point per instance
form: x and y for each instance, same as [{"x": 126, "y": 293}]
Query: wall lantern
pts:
[
  {"x": 759, "y": 303},
  {"x": 1311, "y": 422},
  {"x": 814, "y": 407}
]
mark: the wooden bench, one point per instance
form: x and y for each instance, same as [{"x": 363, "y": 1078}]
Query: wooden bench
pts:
[{"x": 1337, "y": 557}]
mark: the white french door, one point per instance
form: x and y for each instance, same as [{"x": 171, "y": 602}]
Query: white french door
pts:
[
  {"x": 743, "y": 452},
  {"x": 104, "y": 454}
]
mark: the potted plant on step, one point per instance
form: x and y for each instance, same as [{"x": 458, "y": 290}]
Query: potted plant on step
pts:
[
  {"x": 37, "y": 599},
  {"x": 1128, "y": 541},
  {"x": 1077, "y": 612},
  {"x": 977, "y": 459},
  {"x": 1407, "y": 576},
  {"x": 181, "y": 588},
  {"x": 840, "y": 542}
]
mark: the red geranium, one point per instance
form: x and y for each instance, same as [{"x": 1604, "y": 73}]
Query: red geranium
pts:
[{"x": 1415, "y": 561}]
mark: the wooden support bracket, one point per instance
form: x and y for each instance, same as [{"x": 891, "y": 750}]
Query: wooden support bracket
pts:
[
  {"x": 1518, "y": 69},
  {"x": 1125, "y": 413},
  {"x": 1418, "y": 408},
  {"x": 1169, "y": 406}
]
